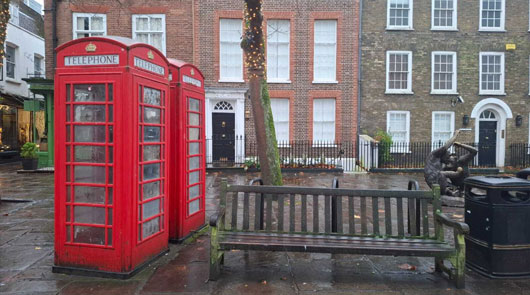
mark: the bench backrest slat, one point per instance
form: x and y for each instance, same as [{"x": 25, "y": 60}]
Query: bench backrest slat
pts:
[
  {"x": 401, "y": 227},
  {"x": 291, "y": 213},
  {"x": 303, "y": 215},
  {"x": 375, "y": 215},
  {"x": 388, "y": 217},
  {"x": 281, "y": 204},
  {"x": 261, "y": 208},
  {"x": 246, "y": 215},
  {"x": 351, "y": 216},
  {"x": 268, "y": 227},
  {"x": 364, "y": 227}
]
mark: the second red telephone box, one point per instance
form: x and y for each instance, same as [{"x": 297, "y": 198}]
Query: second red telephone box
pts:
[
  {"x": 111, "y": 156},
  {"x": 187, "y": 169}
]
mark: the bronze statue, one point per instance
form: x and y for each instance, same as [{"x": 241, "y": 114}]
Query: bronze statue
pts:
[
  {"x": 454, "y": 163},
  {"x": 434, "y": 167}
]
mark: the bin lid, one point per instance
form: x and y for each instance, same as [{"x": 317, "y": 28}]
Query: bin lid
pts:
[
  {"x": 497, "y": 181},
  {"x": 523, "y": 173}
]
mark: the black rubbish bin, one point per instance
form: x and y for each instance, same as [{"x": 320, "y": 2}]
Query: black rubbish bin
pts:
[
  {"x": 497, "y": 210},
  {"x": 523, "y": 174}
]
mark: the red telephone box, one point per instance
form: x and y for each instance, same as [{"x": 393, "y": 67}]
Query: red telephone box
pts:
[
  {"x": 187, "y": 169},
  {"x": 111, "y": 154}
]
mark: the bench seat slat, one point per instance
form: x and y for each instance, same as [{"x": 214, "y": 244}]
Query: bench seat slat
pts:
[{"x": 332, "y": 244}]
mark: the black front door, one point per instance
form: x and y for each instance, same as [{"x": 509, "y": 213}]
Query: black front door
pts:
[
  {"x": 487, "y": 147},
  {"x": 223, "y": 136}
]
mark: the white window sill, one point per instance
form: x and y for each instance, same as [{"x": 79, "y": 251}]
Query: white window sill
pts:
[
  {"x": 444, "y": 93},
  {"x": 323, "y": 145},
  {"x": 444, "y": 29},
  {"x": 231, "y": 81},
  {"x": 492, "y": 30},
  {"x": 279, "y": 81},
  {"x": 325, "y": 82},
  {"x": 399, "y": 29},
  {"x": 407, "y": 92},
  {"x": 11, "y": 80},
  {"x": 493, "y": 93}
]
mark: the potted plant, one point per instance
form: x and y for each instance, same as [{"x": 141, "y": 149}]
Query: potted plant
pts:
[{"x": 28, "y": 153}]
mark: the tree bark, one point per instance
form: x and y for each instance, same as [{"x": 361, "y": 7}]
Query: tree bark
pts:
[
  {"x": 253, "y": 43},
  {"x": 4, "y": 19}
]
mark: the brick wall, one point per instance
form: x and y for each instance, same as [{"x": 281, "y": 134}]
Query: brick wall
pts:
[
  {"x": 179, "y": 22},
  {"x": 467, "y": 42}
]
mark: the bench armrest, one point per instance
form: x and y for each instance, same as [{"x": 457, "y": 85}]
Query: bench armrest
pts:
[
  {"x": 214, "y": 219},
  {"x": 460, "y": 227}
]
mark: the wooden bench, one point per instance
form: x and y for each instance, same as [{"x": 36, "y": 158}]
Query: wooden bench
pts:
[{"x": 302, "y": 219}]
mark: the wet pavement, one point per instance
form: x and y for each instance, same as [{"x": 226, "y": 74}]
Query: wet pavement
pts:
[{"x": 26, "y": 253}]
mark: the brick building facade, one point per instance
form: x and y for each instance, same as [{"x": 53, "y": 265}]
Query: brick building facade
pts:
[
  {"x": 418, "y": 57},
  {"x": 295, "y": 88},
  {"x": 307, "y": 67}
]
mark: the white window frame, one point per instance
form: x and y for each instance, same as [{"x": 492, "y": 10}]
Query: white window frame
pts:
[
  {"x": 502, "y": 20},
  {"x": 149, "y": 32},
  {"x": 14, "y": 14},
  {"x": 454, "y": 27},
  {"x": 319, "y": 140},
  {"x": 492, "y": 92},
  {"x": 229, "y": 79},
  {"x": 15, "y": 57},
  {"x": 75, "y": 15},
  {"x": 452, "y": 114},
  {"x": 283, "y": 142},
  {"x": 409, "y": 76},
  {"x": 41, "y": 65},
  {"x": 404, "y": 148},
  {"x": 454, "y": 79},
  {"x": 288, "y": 78},
  {"x": 334, "y": 79},
  {"x": 411, "y": 17}
]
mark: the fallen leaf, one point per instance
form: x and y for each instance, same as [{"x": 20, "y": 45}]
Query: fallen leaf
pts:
[
  {"x": 283, "y": 278},
  {"x": 38, "y": 248},
  {"x": 457, "y": 216},
  {"x": 357, "y": 216},
  {"x": 407, "y": 266},
  {"x": 264, "y": 282}
]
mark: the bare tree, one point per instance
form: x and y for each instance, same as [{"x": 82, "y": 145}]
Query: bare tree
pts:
[
  {"x": 253, "y": 44},
  {"x": 4, "y": 19}
]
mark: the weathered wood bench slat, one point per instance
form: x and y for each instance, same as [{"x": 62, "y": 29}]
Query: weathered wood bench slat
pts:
[
  {"x": 304, "y": 213},
  {"x": 258, "y": 222},
  {"x": 280, "y": 212},
  {"x": 291, "y": 213},
  {"x": 412, "y": 217},
  {"x": 351, "y": 216},
  {"x": 327, "y": 214},
  {"x": 268, "y": 198},
  {"x": 246, "y": 205},
  {"x": 425, "y": 218},
  {"x": 364, "y": 227},
  {"x": 375, "y": 215},
  {"x": 266, "y": 189},
  {"x": 388, "y": 217},
  {"x": 401, "y": 227},
  {"x": 315, "y": 214},
  {"x": 339, "y": 213}
]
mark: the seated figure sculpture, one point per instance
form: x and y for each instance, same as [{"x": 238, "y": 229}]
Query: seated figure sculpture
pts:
[
  {"x": 447, "y": 169},
  {"x": 434, "y": 167}
]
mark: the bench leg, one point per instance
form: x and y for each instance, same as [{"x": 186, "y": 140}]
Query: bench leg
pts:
[
  {"x": 460, "y": 261},
  {"x": 216, "y": 255},
  {"x": 438, "y": 264}
]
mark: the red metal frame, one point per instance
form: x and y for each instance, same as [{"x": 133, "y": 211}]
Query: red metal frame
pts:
[
  {"x": 100, "y": 208},
  {"x": 187, "y": 171}
]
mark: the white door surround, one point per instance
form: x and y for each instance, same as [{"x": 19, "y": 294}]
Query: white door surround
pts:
[
  {"x": 236, "y": 98},
  {"x": 502, "y": 112}
]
